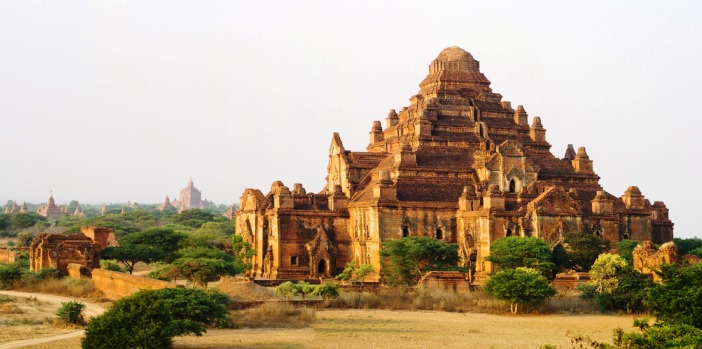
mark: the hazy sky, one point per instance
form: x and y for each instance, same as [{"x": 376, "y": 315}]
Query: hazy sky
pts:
[{"x": 108, "y": 101}]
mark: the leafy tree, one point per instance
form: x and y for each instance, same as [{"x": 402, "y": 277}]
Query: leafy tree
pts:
[
  {"x": 605, "y": 272},
  {"x": 130, "y": 255},
  {"x": 678, "y": 299},
  {"x": 71, "y": 312},
  {"x": 24, "y": 239},
  {"x": 202, "y": 265},
  {"x": 363, "y": 270},
  {"x": 303, "y": 289},
  {"x": 626, "y": 249},
  {"x": 519, "y": 286},
  {"x": 193, "y": 218},
  {"x": 326, "y": 291},
  {"x": 166, "y": 272},
  {"x": 583, "y": 250},
  {"x": 163, "y": 239},
  {"x": 687, "y": 245},
  {"x": 697, "y": 252},
  {"x": 151, "y": 318},
  {"x": 513, "y": 252},
  {"x": 19, "y": 221},
  {"x": 347, "y": 273},
  {"x": 407, "y": 259},
  {"x": 286, "y": 289},
  {"x": 242, "y": 251},
  {"x": 210, "y": 234}
]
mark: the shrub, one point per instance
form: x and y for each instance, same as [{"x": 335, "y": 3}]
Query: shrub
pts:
[
  {"x": 513, "y": 252},
  {"x": 71, "y": 312},
  {"x": 111, "y": 264},
  {"x": 9, "y": 274},
  {"x": 326, "y": 291},
  {"x": 285, "y": 290},
  {"x": 151, "y": 318}
]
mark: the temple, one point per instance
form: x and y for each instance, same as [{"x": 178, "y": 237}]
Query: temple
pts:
[
  {"x": 458, "y": 164},
  {"x": 190, "y": 197}
]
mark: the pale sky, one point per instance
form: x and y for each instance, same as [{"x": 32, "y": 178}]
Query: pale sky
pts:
[{"x": 109, "y": 101}]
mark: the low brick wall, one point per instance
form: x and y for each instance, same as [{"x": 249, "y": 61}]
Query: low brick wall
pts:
[
  {"x": 116, "y": 285},
  {"x": 445, "y": 280},
  {"x": 570, "y": 281},
  {"x": 7, "y": 256}
]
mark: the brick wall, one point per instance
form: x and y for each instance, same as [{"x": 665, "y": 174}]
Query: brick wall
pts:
[
  {"x": 116, "y": 285},
  {"x": 7, "y": 256}
]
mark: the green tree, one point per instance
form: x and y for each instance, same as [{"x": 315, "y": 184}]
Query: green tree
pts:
[
  {"x": 519, "y": 286},
  {"x": 362, "y": 271},
  {"x": 626, "y": 250},
  {"x": 24, "y": 239},
  {"x": 583, "y": 250},
  {"x": 605, "y": 272},
  {"x": 687, "y": 245},
  {"x": 242, "y": 251},
  {"x": 405, "y": 260},
  {"x": 678, "y": 299},
  {"x": 193, "y": 218},
  {"x": 202, "y": 265},
  {"x": 513, "y": 252},
  {"x": 303, "y": 289},
  {"x": 151, "y": 318},
  {"x": 285, "y": 290},
  {"x": 163, "y": 239},
  {"x": 347, "y": 273},
  {"x": 19, "y": 221},
  {"x": 212, "y": 235},
  {"x": 130, "y": 255},
  {"x": 696, "y": 252},
  {"x": 166, "y": 272},
  {"x": 326, "y": 291}
]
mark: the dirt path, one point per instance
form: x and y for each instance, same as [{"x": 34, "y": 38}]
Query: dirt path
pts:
[{"x": 91, "y": 309}]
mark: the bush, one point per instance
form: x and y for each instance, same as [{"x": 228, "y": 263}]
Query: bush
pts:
[
  {"x": 326, "y": 291},
  {"x": 9, "y": 274},
  {"x": 513, "y": 252},
  {"x": 151, "y": 318},
  {"x": 71, "y": 312},
  {"x": 111, "y": 264}
]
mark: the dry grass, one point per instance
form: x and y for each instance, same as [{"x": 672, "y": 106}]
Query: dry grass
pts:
[
  {"x": 74, "y": 288},
  {"x": 420, "y": 299},
  {"x": 273, "y": 315},
  {"x": 566, "y": 302},
  {"x": 26, "y": 318},
  {"x": 342, "y": 329}
]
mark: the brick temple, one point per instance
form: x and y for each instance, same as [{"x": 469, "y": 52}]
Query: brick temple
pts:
[{"x": 458, "y": 164}]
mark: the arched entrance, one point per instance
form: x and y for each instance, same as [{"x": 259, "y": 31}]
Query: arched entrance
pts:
[{"x": 322, "y": 267}]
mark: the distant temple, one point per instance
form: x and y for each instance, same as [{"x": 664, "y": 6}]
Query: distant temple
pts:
[
  {"x": 190, "y": 197},
  {"x": 458, "y": 164},
  {"x": 51, "y": 211}
]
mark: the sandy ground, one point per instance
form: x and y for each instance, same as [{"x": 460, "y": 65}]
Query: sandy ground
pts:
[
  {"x": 19, "y": 337},
  {"x": 403, "y": 329}
]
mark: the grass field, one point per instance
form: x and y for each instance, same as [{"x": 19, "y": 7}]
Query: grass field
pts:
[{"x": 416, "y": 329}]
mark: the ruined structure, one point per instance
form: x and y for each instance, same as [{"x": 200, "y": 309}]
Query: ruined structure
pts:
[
  {"x": 165, "y": 205},
  {"x": 458, "y": 164},
  {"x": 57, "y": 250},
  {"x": 647, "y": 259}
]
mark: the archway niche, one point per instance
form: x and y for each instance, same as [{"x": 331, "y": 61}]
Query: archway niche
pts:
[
  {"x": 322, "y": 267},
  {"x": 405, "y": 231},
  {"x": 508, "y": 232},
  {"x": 439, "y": 234},
  {"x": 512, "y": 186}
]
